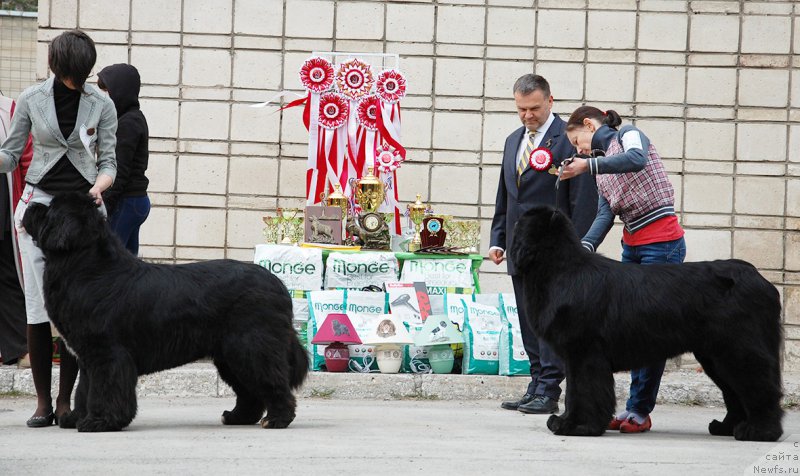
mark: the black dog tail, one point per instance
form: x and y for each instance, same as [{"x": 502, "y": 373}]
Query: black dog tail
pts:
[{"x": 298, "y": 363}]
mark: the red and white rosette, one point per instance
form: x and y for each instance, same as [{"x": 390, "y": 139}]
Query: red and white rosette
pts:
[
  {"x": 316, "y": 74},
  {"x": 541, "y": 159},
  {"x": 333, "y": 111},
  {"x": 354, "y": 79},
  {"x": 387, "y": 158},
  {"x": 391, "y": 86},
  {"x": 368, "y": 110}
]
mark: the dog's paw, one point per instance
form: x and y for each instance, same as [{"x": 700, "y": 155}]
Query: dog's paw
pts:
[
  {"x": 69, "y": 419},
  {"x": 554, "y": 424},
  {"x": 719, "y": 428},
  {"x": 276, "y": 422},
  {"x": 233, "y": 418},
  {"x": 94, "y": 425},
  {"x": 745, "y": 431}
]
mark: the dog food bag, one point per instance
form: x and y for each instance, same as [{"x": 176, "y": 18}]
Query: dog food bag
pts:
[
  {"x": 300, "y": 314},
  {"x": 436, "y": 295},
  {"x": 439, "y": 272},
  {"x": 298, "y": 268},
  {"x": 359, "y": 270},
  {"x": 415, "y": 359},
  {"x": 454, "y": 308},
  {"x": 481, "y": 339},
  {"x": 489, "y": 299},
  {"x": 363, "y": 357},
  {"x": 361, "y": 307},
  {"x": 513, "y": 358},
  {"x": 320, "y": 304}
]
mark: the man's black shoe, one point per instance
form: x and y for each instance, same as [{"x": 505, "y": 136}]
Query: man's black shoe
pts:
[
  {"x": 540, "y": 405},
  {"x": 516, "y": 403}
]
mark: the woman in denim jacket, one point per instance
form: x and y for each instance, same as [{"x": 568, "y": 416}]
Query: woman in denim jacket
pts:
[
  {"x": 633, "y": 185},
  {"x": 73, "y": 127}
]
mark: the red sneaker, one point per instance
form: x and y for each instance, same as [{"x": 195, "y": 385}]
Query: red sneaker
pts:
[
  {"x": 630, "y": 426},
  {"x": 615, "y": 424}
]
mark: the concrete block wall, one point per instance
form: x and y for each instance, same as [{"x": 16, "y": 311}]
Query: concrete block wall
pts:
[{"x": 714, "y": 83}]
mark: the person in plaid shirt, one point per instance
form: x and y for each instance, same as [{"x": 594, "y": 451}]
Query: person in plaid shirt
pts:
[{"x": 633, "y": 185}]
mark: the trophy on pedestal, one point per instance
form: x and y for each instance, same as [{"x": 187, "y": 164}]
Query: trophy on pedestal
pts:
[
  {"x": 369, "y": 227},
  {"x": 416, "y": 212}
]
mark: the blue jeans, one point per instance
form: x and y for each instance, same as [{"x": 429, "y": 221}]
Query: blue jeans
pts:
[
  {"x": 128, "y": 218},
  {"x": 645, "y": 381}
]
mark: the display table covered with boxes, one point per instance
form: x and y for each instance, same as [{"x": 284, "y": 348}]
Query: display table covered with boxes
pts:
[{"x": 435, "y": 298}]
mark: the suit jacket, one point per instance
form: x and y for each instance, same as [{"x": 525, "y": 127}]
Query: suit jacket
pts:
[
  {"x": 95, "y": 132},
  {"x": 577, "y": 197}
]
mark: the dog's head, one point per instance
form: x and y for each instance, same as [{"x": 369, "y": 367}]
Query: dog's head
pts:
[
  {"x": 72, "y": 221},
  {"x": 542, "y": 233}
]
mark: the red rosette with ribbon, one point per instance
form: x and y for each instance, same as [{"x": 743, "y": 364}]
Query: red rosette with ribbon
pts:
[
  {"x": 333, "y": 110},
  {"x": 368, "y": 110},
  {"x": 391, "y": 86},
  {"x": 354, "y": 79},
  {"x": 541, "y": 159},
  {"x": 387, "y": 158},
  {"x": 316, "y": 74}
]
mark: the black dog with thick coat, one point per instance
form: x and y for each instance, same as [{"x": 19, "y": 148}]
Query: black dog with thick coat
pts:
[
  {"x": 124, "y": 317},
  {"x": 602, "y": 316}
]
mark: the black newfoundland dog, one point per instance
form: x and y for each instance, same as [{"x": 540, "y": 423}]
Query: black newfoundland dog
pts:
[
  {"x": 603, "y": 316},
  {"x": 123, "y": 318}
]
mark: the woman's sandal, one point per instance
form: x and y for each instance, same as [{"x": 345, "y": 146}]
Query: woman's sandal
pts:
[{"x": 41, "y": 421}]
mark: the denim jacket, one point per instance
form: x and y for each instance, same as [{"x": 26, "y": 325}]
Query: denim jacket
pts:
[{"x": 95, "y": 131}]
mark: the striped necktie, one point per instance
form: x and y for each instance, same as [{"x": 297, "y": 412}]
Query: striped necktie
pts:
[{"x": 526, "y": 156}]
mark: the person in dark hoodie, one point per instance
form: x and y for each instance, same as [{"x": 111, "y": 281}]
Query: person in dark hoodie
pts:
[{"x": 126, "y": 201}]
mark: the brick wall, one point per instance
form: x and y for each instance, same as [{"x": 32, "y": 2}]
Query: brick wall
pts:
[{"x": 714, "y": 84}]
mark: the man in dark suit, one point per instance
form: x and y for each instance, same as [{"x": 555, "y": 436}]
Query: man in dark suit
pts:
[{"x": 522, "y": 187}]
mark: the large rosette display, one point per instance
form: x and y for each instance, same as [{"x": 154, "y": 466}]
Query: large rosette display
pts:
[
  {"x": 333, "y": 111},
  {"x": 316, "y": 74},
  {"x": 354, "y": 79},
  {"x": 391, "y": 86},
  {"x": 368, "y": 110}
]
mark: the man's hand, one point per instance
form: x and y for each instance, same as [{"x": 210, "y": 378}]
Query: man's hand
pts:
[
  {"x": 574, "y": 168},
  {"x": 497, "y": 255}
]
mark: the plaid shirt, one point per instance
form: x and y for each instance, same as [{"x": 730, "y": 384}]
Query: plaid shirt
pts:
[{"x": 639, "y": 198}]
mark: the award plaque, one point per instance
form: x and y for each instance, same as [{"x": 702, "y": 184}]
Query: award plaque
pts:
[
  {"x": 323, "y": 225},
  {"x": 433, "y": 233}
]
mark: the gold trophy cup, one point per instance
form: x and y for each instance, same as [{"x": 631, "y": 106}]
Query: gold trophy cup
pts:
[
  {"x": 338, "y": 199},
  {"x": 369, "y": 192},
  {"x": 416, "y": 211}
]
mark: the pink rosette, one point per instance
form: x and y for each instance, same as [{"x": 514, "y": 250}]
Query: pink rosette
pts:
[
  {"x": 368, "y": 110},
  {"x": 333, "y": 110},
  {"x": 354, "y": 79},
  {"x": 387, "y": 158},
  {"x": 541, "y": 159},
  {"x": 391, "y": 86},
  {"x": 316, "y": 74}
]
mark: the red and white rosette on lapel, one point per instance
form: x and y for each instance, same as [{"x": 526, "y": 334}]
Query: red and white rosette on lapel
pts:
[
  {"x": 333, "y": 164},
  {"x": 541, "y": 159},
  {"x": 316, "y": 74},
  {"x": 390, "y": 88}
]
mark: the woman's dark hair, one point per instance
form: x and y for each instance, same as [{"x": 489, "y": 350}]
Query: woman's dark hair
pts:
[
  {"x": 72, "y": 56},
  {"x": 609, "y": 118}
]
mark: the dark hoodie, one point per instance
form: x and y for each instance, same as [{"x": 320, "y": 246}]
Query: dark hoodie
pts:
[{"x": 122, "y": 83}]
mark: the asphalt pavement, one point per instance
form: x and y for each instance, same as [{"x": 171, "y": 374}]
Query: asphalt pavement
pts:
[{"x": 183, "y": 435}]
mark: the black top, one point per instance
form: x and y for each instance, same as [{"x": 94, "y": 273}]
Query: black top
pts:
[
  {"x": 123, "y": 84},
  {"x": 64, "y": 177}
]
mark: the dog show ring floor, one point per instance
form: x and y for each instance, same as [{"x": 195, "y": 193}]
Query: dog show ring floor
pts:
[
  {"x": 386, "y": 424},
  {"x": 183, "y": 435}
]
